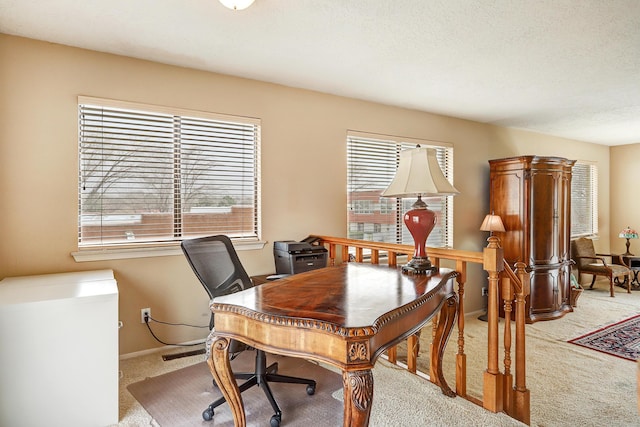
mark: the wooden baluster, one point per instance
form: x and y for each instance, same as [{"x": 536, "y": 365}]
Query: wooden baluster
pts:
[
  {"x": 435, "y": 262},
  {"x": 359, "y": 256},
  {"x": 392, "y": 259},
  {"x": 521, "y": 398},
  {"x": 461, "y": 358},
  {"x": 375, "y": 256},
  {"x": 332, "y": 254},
  {"x": 492, "y": 388},
  {"x": 392, "y": 354},
  {"x": 507, "y": 295},
  {"x": 413, "y": 347},
  {"x": 345, "y": 253}
]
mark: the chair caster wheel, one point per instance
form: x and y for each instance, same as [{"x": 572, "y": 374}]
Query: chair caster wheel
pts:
[
  {"x": 207, "y": 415},
  {"x": 311, "y": 390},
  {"x": 275, "y": 420}
]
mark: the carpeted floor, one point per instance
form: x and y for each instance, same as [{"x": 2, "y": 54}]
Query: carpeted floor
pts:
[
  {"x": 400, "y": 399},
  {"x": 570, "y": 385}
]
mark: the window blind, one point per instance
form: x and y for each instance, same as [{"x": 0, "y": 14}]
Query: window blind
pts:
[
  {"x": 371, "y": 165},
  {"x": 584, "y": 200},
  {"x": 150, "y": 176}
]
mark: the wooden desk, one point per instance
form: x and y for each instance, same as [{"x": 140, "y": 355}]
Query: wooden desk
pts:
[{"x": 345, "y": 316}]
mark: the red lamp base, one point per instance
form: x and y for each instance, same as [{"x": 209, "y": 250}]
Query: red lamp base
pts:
[{"x": 419, "y": 221}]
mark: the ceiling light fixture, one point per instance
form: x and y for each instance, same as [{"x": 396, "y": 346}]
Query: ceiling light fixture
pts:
[{"x": 237, "y": 4}]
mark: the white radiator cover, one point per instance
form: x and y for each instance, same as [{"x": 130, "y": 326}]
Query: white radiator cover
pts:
[{"x": 59, "y": 350}]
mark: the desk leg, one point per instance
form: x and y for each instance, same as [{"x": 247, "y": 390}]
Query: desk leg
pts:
[
  {"x": 358, "y": 396},
  {"x": 220, "y": 367},
  {"x": 446, "y": 319}
]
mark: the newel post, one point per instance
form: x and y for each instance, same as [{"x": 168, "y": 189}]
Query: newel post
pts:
[{"x": 493, "y": 380}]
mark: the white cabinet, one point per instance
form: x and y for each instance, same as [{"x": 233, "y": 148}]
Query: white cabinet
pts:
[{"x": 59, "y": 350}]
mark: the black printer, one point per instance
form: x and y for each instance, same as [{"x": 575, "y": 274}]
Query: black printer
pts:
[{"x": 296, "y": 257}]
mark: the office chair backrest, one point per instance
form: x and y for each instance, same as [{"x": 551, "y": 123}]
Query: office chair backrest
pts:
[{"x": 216, "y": 264}]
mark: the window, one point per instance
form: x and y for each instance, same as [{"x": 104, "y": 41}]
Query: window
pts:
[
  {"x": 372, "y": 161},
  {"x": 584, "y": 200},
  {"x": 150, "y": 174}
]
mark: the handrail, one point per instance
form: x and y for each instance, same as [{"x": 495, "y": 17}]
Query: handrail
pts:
[{"x": 499, "y": 395}]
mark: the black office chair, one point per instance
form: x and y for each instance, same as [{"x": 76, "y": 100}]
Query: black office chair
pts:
[{"x": 217, "y": 266}]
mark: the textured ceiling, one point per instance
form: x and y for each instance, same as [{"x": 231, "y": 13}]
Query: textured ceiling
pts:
[{"x": 569, "y": 68}]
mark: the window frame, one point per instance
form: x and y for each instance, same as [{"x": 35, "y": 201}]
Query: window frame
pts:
[
  {"x": 170, "y": 246},
  {"x": 401, "y": 234},
  {"x": 589, "y": 193}
]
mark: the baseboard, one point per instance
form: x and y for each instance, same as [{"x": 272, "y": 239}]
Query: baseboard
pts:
[
  {"x": 475, "y": 313},
  {"x": 158, "y": 349}
]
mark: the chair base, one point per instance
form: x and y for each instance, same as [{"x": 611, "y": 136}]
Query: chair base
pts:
[{"x": 262, "y": 377}]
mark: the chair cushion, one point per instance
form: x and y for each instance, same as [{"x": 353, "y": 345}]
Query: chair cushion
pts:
[
  {"x": 616, "y": 270},
  {"x": 619, "y": 270}
]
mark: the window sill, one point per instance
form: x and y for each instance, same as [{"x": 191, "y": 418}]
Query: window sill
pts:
[{"x": 105, "y": 254}]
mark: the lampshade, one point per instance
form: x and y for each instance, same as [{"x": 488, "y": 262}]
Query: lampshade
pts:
[
  {"x": 492, "y": 223},
  {"x": 628, "y": 233},
  {"x": 419, "y": 174},
  {"x": 237, "y": 4}
]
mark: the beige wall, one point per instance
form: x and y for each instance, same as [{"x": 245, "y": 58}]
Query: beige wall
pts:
[
  {"x": 303, "y": 168},
  {"x": 625, "y": 205}
]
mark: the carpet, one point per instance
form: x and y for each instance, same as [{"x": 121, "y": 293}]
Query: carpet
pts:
[
  {"x": 178, "y": 398},
  {"x": 621, "y": 339}
]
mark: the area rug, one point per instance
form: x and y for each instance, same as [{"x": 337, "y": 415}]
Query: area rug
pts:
[
  {"x": 178, "y": 398},
  {"x": 621, "y": 339}
]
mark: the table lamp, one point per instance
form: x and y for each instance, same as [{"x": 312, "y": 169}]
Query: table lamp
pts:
[
  {"x": 628, "y": 233},
  {"x": 419, "y": 175},
  {"x": 491, "y": 223}
]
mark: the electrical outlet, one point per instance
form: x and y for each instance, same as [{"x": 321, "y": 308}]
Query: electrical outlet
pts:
[
  {"x": 485, "y": 291},
  {"x": 145, "y": 312}
]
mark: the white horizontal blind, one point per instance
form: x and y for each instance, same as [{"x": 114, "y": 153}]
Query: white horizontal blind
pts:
[
  {"x": 584, "y": 200},
  {"x": 150, "y": 176},
  {"x": 371, "y": 165}
]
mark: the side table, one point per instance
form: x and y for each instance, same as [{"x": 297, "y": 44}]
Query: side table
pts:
[{"x": 633, "y": 262}]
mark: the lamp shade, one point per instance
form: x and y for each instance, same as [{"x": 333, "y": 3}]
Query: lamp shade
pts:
[
  {"x": 628, "y": 233},
  {"x": 492, "y": 223},
  {"x": 419, "y": 174},
  {"x": 237, "y": 4}
]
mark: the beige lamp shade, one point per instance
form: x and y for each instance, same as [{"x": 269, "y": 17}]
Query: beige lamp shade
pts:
[
  {"x": 492, "y": 223},
  {"x": 419, "y": 174}
]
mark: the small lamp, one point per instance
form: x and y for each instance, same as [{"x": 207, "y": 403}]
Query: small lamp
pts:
[
  {"x": 491, "y": 223},
  {"x": 628, "y": 233},
  {"x": 237, "y": 4},
  {"x": 419, "y": 174}
]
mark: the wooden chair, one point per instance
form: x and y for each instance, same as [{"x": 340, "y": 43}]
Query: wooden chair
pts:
[{"x": 588, "y": 262}]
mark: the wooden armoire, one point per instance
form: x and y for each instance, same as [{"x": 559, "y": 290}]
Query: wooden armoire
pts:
[{"x": 532, "y": 195}]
